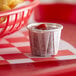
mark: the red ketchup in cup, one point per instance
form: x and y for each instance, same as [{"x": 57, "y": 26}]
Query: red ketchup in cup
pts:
[{"x": 44, "y": 38}]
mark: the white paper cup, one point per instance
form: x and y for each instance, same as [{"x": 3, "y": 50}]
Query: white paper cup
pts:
[{"x": 45, "y": 42}]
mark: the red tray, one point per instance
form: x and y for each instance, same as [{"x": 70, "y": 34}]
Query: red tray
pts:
[{"x": 16, "y": 59}]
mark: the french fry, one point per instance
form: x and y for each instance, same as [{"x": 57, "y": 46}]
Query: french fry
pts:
[
  {"x": 2, "y": 19},
  {"x": 4, "y": 8},
  {"x": 13, "y": 3}
]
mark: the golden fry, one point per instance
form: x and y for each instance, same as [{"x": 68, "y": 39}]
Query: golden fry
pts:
[
  {"x": 4, "y": 8},
  {"x": 2, "y": 19},
  {"x": 13, "y": 3}
]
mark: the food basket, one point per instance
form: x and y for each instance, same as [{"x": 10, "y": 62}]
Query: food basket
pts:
[{"x": 16, "y": 18}]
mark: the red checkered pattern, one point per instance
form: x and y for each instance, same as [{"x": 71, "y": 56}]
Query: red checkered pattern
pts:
[{"x": 15, "y": 49}]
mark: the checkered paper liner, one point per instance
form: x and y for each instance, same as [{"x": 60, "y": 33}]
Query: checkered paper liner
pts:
[{"x": 15, "y": 49}]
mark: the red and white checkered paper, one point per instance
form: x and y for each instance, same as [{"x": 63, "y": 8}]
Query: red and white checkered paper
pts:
[{"x": 15, "y": 49}]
